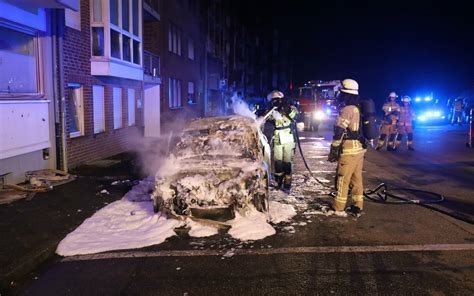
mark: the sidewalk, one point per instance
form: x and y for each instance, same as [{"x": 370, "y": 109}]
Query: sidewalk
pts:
[{"x": 31, "y": 230}]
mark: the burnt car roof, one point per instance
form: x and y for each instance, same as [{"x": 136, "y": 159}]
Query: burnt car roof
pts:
[
  {"x": 225, "y": 136},
  {"x": 222, "y": 122}
]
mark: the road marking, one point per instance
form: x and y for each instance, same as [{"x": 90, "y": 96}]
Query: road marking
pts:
[{"x": 293, "y": 250}]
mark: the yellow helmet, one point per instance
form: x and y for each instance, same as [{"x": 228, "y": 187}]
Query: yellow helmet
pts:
[
  {"x": 406, "y": 99},
  {"x": 274, "y": 95},
  {"x": 350, "y": 86}
]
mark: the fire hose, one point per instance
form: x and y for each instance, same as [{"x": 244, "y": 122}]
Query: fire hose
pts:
[{"x": 382, "y": 194}]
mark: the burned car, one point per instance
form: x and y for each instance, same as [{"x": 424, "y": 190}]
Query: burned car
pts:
[{"x": 218, "y": 166}]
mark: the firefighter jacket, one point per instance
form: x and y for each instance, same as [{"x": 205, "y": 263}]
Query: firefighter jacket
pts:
[
  {"x": 283, "y": 133},
  {"x": 347, "y": 131},
  {"x": 391, "y": 112},
  {"x": 407, "y": 115}
]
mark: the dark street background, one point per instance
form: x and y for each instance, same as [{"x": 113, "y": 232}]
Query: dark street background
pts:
[{"x": 411, "y": 47}]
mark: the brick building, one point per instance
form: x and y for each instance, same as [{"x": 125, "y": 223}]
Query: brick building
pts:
[
  {"x": 86, "y": 79},
  {"x": 103, "y": 78}
]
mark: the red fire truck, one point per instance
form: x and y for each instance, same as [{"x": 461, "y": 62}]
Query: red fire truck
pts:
[{"x": 317, "y": 101}]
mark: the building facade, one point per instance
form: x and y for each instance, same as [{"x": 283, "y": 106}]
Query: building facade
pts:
[{"x": 86, "y": 79}]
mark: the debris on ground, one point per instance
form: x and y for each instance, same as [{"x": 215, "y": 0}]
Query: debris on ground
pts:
[{"x": 36, "y": 181}]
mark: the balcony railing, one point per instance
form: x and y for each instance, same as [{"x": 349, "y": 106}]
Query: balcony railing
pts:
[{"x": 151, "y": 64}]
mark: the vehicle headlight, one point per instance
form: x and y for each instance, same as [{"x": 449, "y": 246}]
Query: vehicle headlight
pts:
[{"x": 319, "y": 115}]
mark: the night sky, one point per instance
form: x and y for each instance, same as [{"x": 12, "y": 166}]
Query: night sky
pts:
[{"x": 412, "y": 48}]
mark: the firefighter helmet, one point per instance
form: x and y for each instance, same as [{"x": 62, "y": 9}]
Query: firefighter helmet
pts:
[
  {"x": 393, "y": 95},
  {"x": 275, "y": 95},
  {"x": 406, "y": 99},
  {"x": 350, "y": 86}
]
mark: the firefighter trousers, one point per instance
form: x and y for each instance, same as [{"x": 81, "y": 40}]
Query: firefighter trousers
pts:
[
  {"x": 404, "y": 129},
  {"x": 349, "y": 174},
  {"x": 387, "y": 129},
  {"x": 283, "y": 157}
]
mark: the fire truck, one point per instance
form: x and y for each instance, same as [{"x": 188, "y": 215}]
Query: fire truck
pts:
[{"x": 317, "y": 101}]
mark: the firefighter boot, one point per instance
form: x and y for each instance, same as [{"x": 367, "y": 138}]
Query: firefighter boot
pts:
[
  {"x": 410, "y": 141},
  {"x": 288, "y": 176},
  {"x": 354, "y": 211},
  {"x": 381, "y": 142},
  {"x": 279, "y": 173},
  {"x": 391, "y": 142}
]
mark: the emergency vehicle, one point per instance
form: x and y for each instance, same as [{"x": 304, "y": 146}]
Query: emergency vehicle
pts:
[{"x": 317, "y": 102}]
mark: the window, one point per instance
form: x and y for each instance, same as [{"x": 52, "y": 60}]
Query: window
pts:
[
  {"x": 190, "y": 49},
  {"x": 124, "y": 25},
  {"x": 174, "y": 91},
  {"x": 98, "y": 105},
  {"x": 174, "y": 39},
  {"x": 97, "y": 41},
  {"x": 131, "y": 107},
  {"x": 18, "y": 63},
  {"x": 75, "y": 110},
  {"x": 117, "y": 97},
  {"x": 97, "y": 14},
  {"x": 191, "y": 96}
]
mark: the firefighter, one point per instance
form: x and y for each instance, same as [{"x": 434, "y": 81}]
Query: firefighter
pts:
[
  {"x": 391, "y": 111},
  {"x": 284, "y": 144},
  {"x": 405, "y": 123},
  {"x": 348, "y": 149},
  {"x": 457, "y": 111}
]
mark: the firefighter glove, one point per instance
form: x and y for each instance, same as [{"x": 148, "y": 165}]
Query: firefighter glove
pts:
[{"x": 333, "y": 154}]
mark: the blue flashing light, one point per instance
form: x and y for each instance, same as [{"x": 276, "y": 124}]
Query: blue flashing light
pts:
[
  {"x": 437, "y": 114},
  {"x": 328, "y": 111},
  {"x": 418, "y": 99},
  {"x": 421, "y": 118},
  {"x": 427, "y": 99}
]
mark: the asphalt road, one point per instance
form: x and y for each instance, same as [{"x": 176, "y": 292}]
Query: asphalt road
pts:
[{"x": 390, "y": 250}]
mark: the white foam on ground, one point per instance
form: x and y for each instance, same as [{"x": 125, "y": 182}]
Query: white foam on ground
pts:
[
  {"x": 118, "y": 226},
  {"x": 280, "y": 212},
  {"x": 199, "y": 230},
  {"x": 253, "y": 226},
  {"x": 130, "y": 223}
]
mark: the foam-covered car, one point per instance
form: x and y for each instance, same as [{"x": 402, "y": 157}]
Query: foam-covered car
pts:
[{"x": 218, "y": 166}]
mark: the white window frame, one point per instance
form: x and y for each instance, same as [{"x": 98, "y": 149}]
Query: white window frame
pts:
[
  {"x": 79, "y": 94},
  {"x": 107, "y": 25},
  {"x": 118, "y": 107},
  {"x": 39, "y": 93},
  {"x": 98, "y": 108},
  {"x": 131, "y": 106}
]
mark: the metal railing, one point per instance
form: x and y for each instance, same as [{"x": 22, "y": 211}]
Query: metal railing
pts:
[{"x": 151, "y": 64}]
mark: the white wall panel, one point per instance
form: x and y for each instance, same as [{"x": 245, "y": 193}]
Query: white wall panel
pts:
[{"x": 24, "y": 127}]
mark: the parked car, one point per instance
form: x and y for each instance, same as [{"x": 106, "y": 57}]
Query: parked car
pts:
[{"x": 219, "y": 165}]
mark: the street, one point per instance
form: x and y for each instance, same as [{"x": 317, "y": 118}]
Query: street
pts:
[{"x": 389, "y": 250}]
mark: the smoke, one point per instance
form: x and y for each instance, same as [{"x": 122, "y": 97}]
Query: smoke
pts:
[{"x": 240, "y": 107}]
